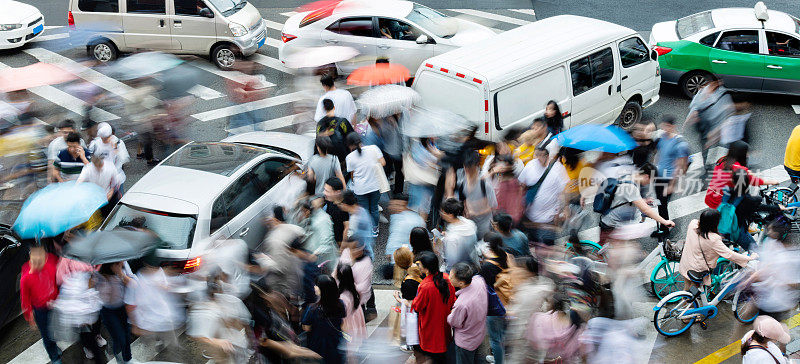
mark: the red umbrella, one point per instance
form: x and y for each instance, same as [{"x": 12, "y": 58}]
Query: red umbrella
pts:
[
  {"x": 318, "y": 5},
  {"x": 319, "y": 10},
  {"x": 379, "y": 74},
  {"x": 37, "y": 74}
]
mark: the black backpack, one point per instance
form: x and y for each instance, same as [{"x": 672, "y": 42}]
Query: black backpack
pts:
[{"x": 605, "y": 196}]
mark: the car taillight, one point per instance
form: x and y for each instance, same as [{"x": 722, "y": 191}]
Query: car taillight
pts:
[
  {"x": 70, "y": 20},
  {"x": 287, "y": 37},
  {"x": 184, "y": 266},
  {"x": 662, "y": 50}
]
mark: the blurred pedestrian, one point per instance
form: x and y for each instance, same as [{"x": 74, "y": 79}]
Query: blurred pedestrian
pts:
[
  {"x": 359, "y": 226},
  {"x": 319, "y": 235},
  {"x": 459, "y": 240},
  {"x": 509, "y": 191},
  {"x": 758, "y": 345},
  {"x": 553, "y": 117},
  {"x": 111, "y": 280},
  {"x": 336, "y": 129},
  {"x": 709, "y": 108},
  {"x": 112, "y": 149},
  {"x": 142, "y": 110},
  {"x": 364, "y": 164},
  {"x": 154, "y": 312},
  {"x": 531, "y": 293},
  {"x": 736, "y": 159},
  {"x": 354, "y": 254},
  {"x": 353, "y": 324},
  {"x": 385, "y": 134},
  {"x": 69, "y": 162},
  {"x": 342, "y": 101},
  {"x": 58, "y": 144},
  {"x": 324, "y": 165},
  {"x": 546, "y": 181},
  {"x": 284, "y": 274},
  {"x": 323, "y": 322},
  {"x": 672, "y": 163},
  {"x": 514, "y": 240},
  {"x": 333, "y": 191},
  {"x": 468, "y": 316},
  {"x": 477, "y": 195},
  {"x": 77, "y": 309},
  {"x": 244, "y": 88},
  {"x": 421, "y": 170},
  {"x": 402, "y": 221},
  {"x": 37, "y": 291},
  {"x": 433, "y": 303},
  {"x": 220, "y": 323},
  {"x": 103, "y": 174},
  {"x": 643, "y": 133}
]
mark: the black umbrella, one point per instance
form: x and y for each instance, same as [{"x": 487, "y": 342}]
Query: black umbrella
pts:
[{"x": 111, "y": 246}]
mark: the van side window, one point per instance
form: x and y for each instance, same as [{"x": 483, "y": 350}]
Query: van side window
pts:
[
  {"x": 189, "y": 7},
  {"x": 591, "y": 71},
  {"x": 745, "y": 41},
  {"x": 359, "y": 27},
  {"x": 632, "y": 51},
  {"x": 147, "y": 6},
  {"x": 709, "y": 39},
  {"x": 99, "y": 6}
]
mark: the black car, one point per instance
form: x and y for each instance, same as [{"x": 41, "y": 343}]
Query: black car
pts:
[{"x": 13, "y": 254}]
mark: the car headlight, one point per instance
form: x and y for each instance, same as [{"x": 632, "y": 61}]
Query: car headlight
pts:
[
  {"x": 237, "y": 29},
  {"x": 10, "y": 26}
]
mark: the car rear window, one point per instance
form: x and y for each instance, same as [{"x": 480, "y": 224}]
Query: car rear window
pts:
[
  {"x": 220, "y": 158},
  {"x": 694, "y": 24},
  {"x": 176, "y": 231}
]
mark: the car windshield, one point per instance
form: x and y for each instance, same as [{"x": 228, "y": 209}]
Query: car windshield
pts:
[
  {"x": 228, "y": 7},
  {"x": 176, "y": 231},
  {"x": 694, "y": 24},
  {"x": 435, "y": 22}
]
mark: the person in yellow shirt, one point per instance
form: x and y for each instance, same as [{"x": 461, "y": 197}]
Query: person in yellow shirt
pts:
[{"x": 791, "y": 159}]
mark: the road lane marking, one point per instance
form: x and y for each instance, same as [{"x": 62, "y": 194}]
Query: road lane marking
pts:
[
  {"x": 268, "y": 125},
  {"x": 796, "y": 109},
  {"x": 525, "y": 11},
  {"x": 271, "y": 63},
  {"x": 231, "y": 75},
  {"x": 205, "y": 93},
  {"x": 273, "y": 24},
  {"x": 491, "y": 16},
  {"x": 44, "y": 38},
  {"x": 250, "y": 106},
  {"x": 289, "y": 13},
  {"x": 734, "y": 348}
]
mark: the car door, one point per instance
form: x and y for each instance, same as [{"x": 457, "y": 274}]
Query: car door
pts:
[
  {"x": 190, "y": 31},
  {"x": 594, "y": 82},
  {"x": 358, "y": 33},
  {"x": 736, "y": 60},
  {"x": 146, "y": 25},
  {"x": 397, "y": 42},
  {"x": 637, "y": 69},
  {"x": 782, "y": 63},
  {"x": 12, "y": 256}
]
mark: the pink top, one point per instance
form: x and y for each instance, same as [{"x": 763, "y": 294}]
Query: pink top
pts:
[
  {"x": 468, "y": 316},
  {"x": 68, "y": 266},
  {"x": 712, "y": 248}
]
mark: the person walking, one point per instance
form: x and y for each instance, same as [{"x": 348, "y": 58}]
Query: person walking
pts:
[
  {"x": 69, "y": 162},
  {"x": 334, "y": 192},
  {"x": 514, "y": 240},
  {"x": 105, "y": 175},
  {"x": 735, "y": 160},
  {"x": 324, "y": 165},
  {"x": 360, "y": 226},
  {"x": 323, "y": 321},
  {"x": 336, "y": 128},
  {"x": 531, "y": 293},
  {"x": 553, "y": 117},
  {"x": 58, "y": 144},
  {"x": 460, "y": 238},
  {"x": 112, "y": 149},
  {"x": 402, "y": 221},
  {"x": 353, "y": 324},
  {"x": 37, "y": 291},
  {"x": 433, "y": 303},
  {"x": 342, "y": 101},
  {"x": 477, "y": 194},
  {"x": 468, "y": 316},
  {"x": 672, "y": 163},
  {"x": 363, "y": 162},
  {"x": 496, "y": 273},
  {"x": 546, "y": 181},
  {"x": 709, "y": 108},
  {"x": 110, "y": 281}
]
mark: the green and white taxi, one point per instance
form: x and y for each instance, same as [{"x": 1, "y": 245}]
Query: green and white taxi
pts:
[{"x": 750, "y": 49}]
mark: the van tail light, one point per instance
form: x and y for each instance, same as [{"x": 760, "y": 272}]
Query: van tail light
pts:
[
  {"x": 287, "y": 37},
  {"x": 70, "y": 20},
  {"x": 662, "y": 50},
  {"x": 184, "y": 266}
]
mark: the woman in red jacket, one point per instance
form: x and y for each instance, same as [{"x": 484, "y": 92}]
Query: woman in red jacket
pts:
[
  {"x": 723, "y": 171},
  {"x": 37, "y": 291},
  {"x": 434, "y": 300}
]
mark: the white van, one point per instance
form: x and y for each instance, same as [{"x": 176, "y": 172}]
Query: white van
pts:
[
  {"x": 598, "y": 72},
  {"x": 220, "y": 29}
]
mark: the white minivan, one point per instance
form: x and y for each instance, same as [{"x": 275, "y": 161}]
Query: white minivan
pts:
[
  {"x": 220, "y": 29},
  {"x": 598, "y": 72}
]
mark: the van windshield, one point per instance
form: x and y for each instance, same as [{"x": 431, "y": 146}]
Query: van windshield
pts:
[
  {"x": 693, "y": 24},
  {"x": 228, "y": 7},
  {"x": 176, "y": 231}
]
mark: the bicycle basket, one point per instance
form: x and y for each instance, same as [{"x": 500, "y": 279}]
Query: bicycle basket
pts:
[{"x": 673, "y": 251}]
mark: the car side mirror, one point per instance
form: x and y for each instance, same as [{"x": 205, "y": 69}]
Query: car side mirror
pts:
[
  {"x": 206, "y": 12},
  {"x": 423, "y": 39},
  {"x": 654, "y": 55}
]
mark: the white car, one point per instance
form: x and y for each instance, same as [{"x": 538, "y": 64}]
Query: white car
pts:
[
  {"x": 402, "y": 31},
  {"x": 209, "y": 191},
  {"x": 19, "y": 23}
]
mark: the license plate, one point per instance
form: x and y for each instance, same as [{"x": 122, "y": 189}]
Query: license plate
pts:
[
  {"x": 261, "y": 42},
  {"x": 38, "y": 29}
]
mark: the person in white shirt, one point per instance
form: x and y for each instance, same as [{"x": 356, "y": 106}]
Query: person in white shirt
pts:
[
  {"x": 363, "y": 162},
  {"x": 343, "y": 101},
  {"x": 112, "y": 149},
  {"x": 102, "y": 174},
  {"x": 549, "y": 198},
  {"x": 155, "y": 312},
  {"x": 58, "y": 144},
  {"x": 758, "y": 346}
]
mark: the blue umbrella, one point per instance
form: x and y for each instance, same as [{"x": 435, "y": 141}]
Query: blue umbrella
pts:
[
  {"x": 58, "y": 208},
  {"x": 610, "y": 139}
]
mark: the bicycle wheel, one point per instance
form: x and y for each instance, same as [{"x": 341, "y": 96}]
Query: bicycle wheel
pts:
[
  {"x": 666, "y": 279},
  {"x": 745, "y": 309},
  {"x": 666, "y": 318},
  {"x": 723, "y": 270},
  {"x": 589, "y": 249},
  {"x": 784, "y": 196}
]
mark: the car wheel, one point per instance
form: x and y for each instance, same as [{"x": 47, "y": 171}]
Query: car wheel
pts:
[
  {"x": 630, "y": 115},
  {"x": 103, "y": 51},
  {"x": 692, "y": 82},
  {"x": 224, "y": 56}
]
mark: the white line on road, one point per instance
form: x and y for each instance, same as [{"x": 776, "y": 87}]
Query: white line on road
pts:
[
  {"x": 796, "y": 109},
  {"x": 44, "y": 38},
  {"x": 491, "y": 16},
  {"x": 289, "y": 13},
  {"x": 250, "y": 106},
  {"x": 231, "y": 75},
  {"x": 268, "y": 125},
  {"x": 204, "y": 93},
  {"x": 271, "y": 63},
  {"x": 524, "y": 11},
  {"x": 273, "y": 24},
  {"x": 46, "y": 27},
  {"x": 272, "y": 42}
]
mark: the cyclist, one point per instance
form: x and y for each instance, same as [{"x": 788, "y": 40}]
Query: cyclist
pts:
[
  {"x": 736, "y": 159},
  {"x": 702, "y": 249}
]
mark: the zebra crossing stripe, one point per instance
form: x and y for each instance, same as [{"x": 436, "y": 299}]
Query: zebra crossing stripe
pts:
[
  {"x": 524, "y": 11},
  {"x": 491, "y": 16}
]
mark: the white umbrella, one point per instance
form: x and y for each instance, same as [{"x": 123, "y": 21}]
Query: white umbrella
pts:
[
  {"x": 382, "y": 101},
  {"x": 319, "y": 56},
  {"x": 423, "y": 123},
  {"x": 144, "y": 64}
]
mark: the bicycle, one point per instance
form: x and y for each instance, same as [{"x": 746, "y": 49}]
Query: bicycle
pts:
[{"x": 678, "y": 311}]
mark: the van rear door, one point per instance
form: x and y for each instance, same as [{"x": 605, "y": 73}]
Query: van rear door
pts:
[
  {"x": 458, "y": 95},
  {"x": 516, "y": 105}
]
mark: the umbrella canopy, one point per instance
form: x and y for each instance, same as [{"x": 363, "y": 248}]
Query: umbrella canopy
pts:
[
  {"x": 37, "y": 74},
  {"x": 386, "y": 100},
  {"x": 319, "y": 56},
  {"x": 379, "y": 74},
  {"x": 609, "y": 139},
  {"x": 144, "y": 64},
  {"x": 423, "y": 123},
  {"x": 58, "y": 208},
  {"x": 110, "y": 246}
]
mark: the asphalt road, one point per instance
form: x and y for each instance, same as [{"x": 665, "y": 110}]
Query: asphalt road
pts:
[{"x": 772, "y": 120}]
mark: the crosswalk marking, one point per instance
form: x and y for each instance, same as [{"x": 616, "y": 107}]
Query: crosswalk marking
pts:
[
  {"x": 46, "y": 27},
  {"x": 250, "y": 106},
  {"x": 231, "y": 75},
  {"x": 491, "y": 16},
  {"x": 44, "y": 38},
  {"x": 273, "y": 24},
  {"x": 272, "y": 42},
  {"x": 796, "y": 109},
  {"x": 205, "y": 93},
  {"x": 524, "y": 11},
  {"x": 271, "y": 63},
  {"x": 289, "y": 13},
  {"x": 268, "y": 125}
]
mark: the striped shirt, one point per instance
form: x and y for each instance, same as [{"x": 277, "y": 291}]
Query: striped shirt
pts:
[{"x": 69, "y": 166}]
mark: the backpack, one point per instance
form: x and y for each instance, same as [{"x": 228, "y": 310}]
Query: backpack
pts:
[
  {"x": 463, "y": 196},
  {"x": 605, "y": 196},
  {"x": 495, "y": 307},
  {"x": 728, "y": 223}
]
